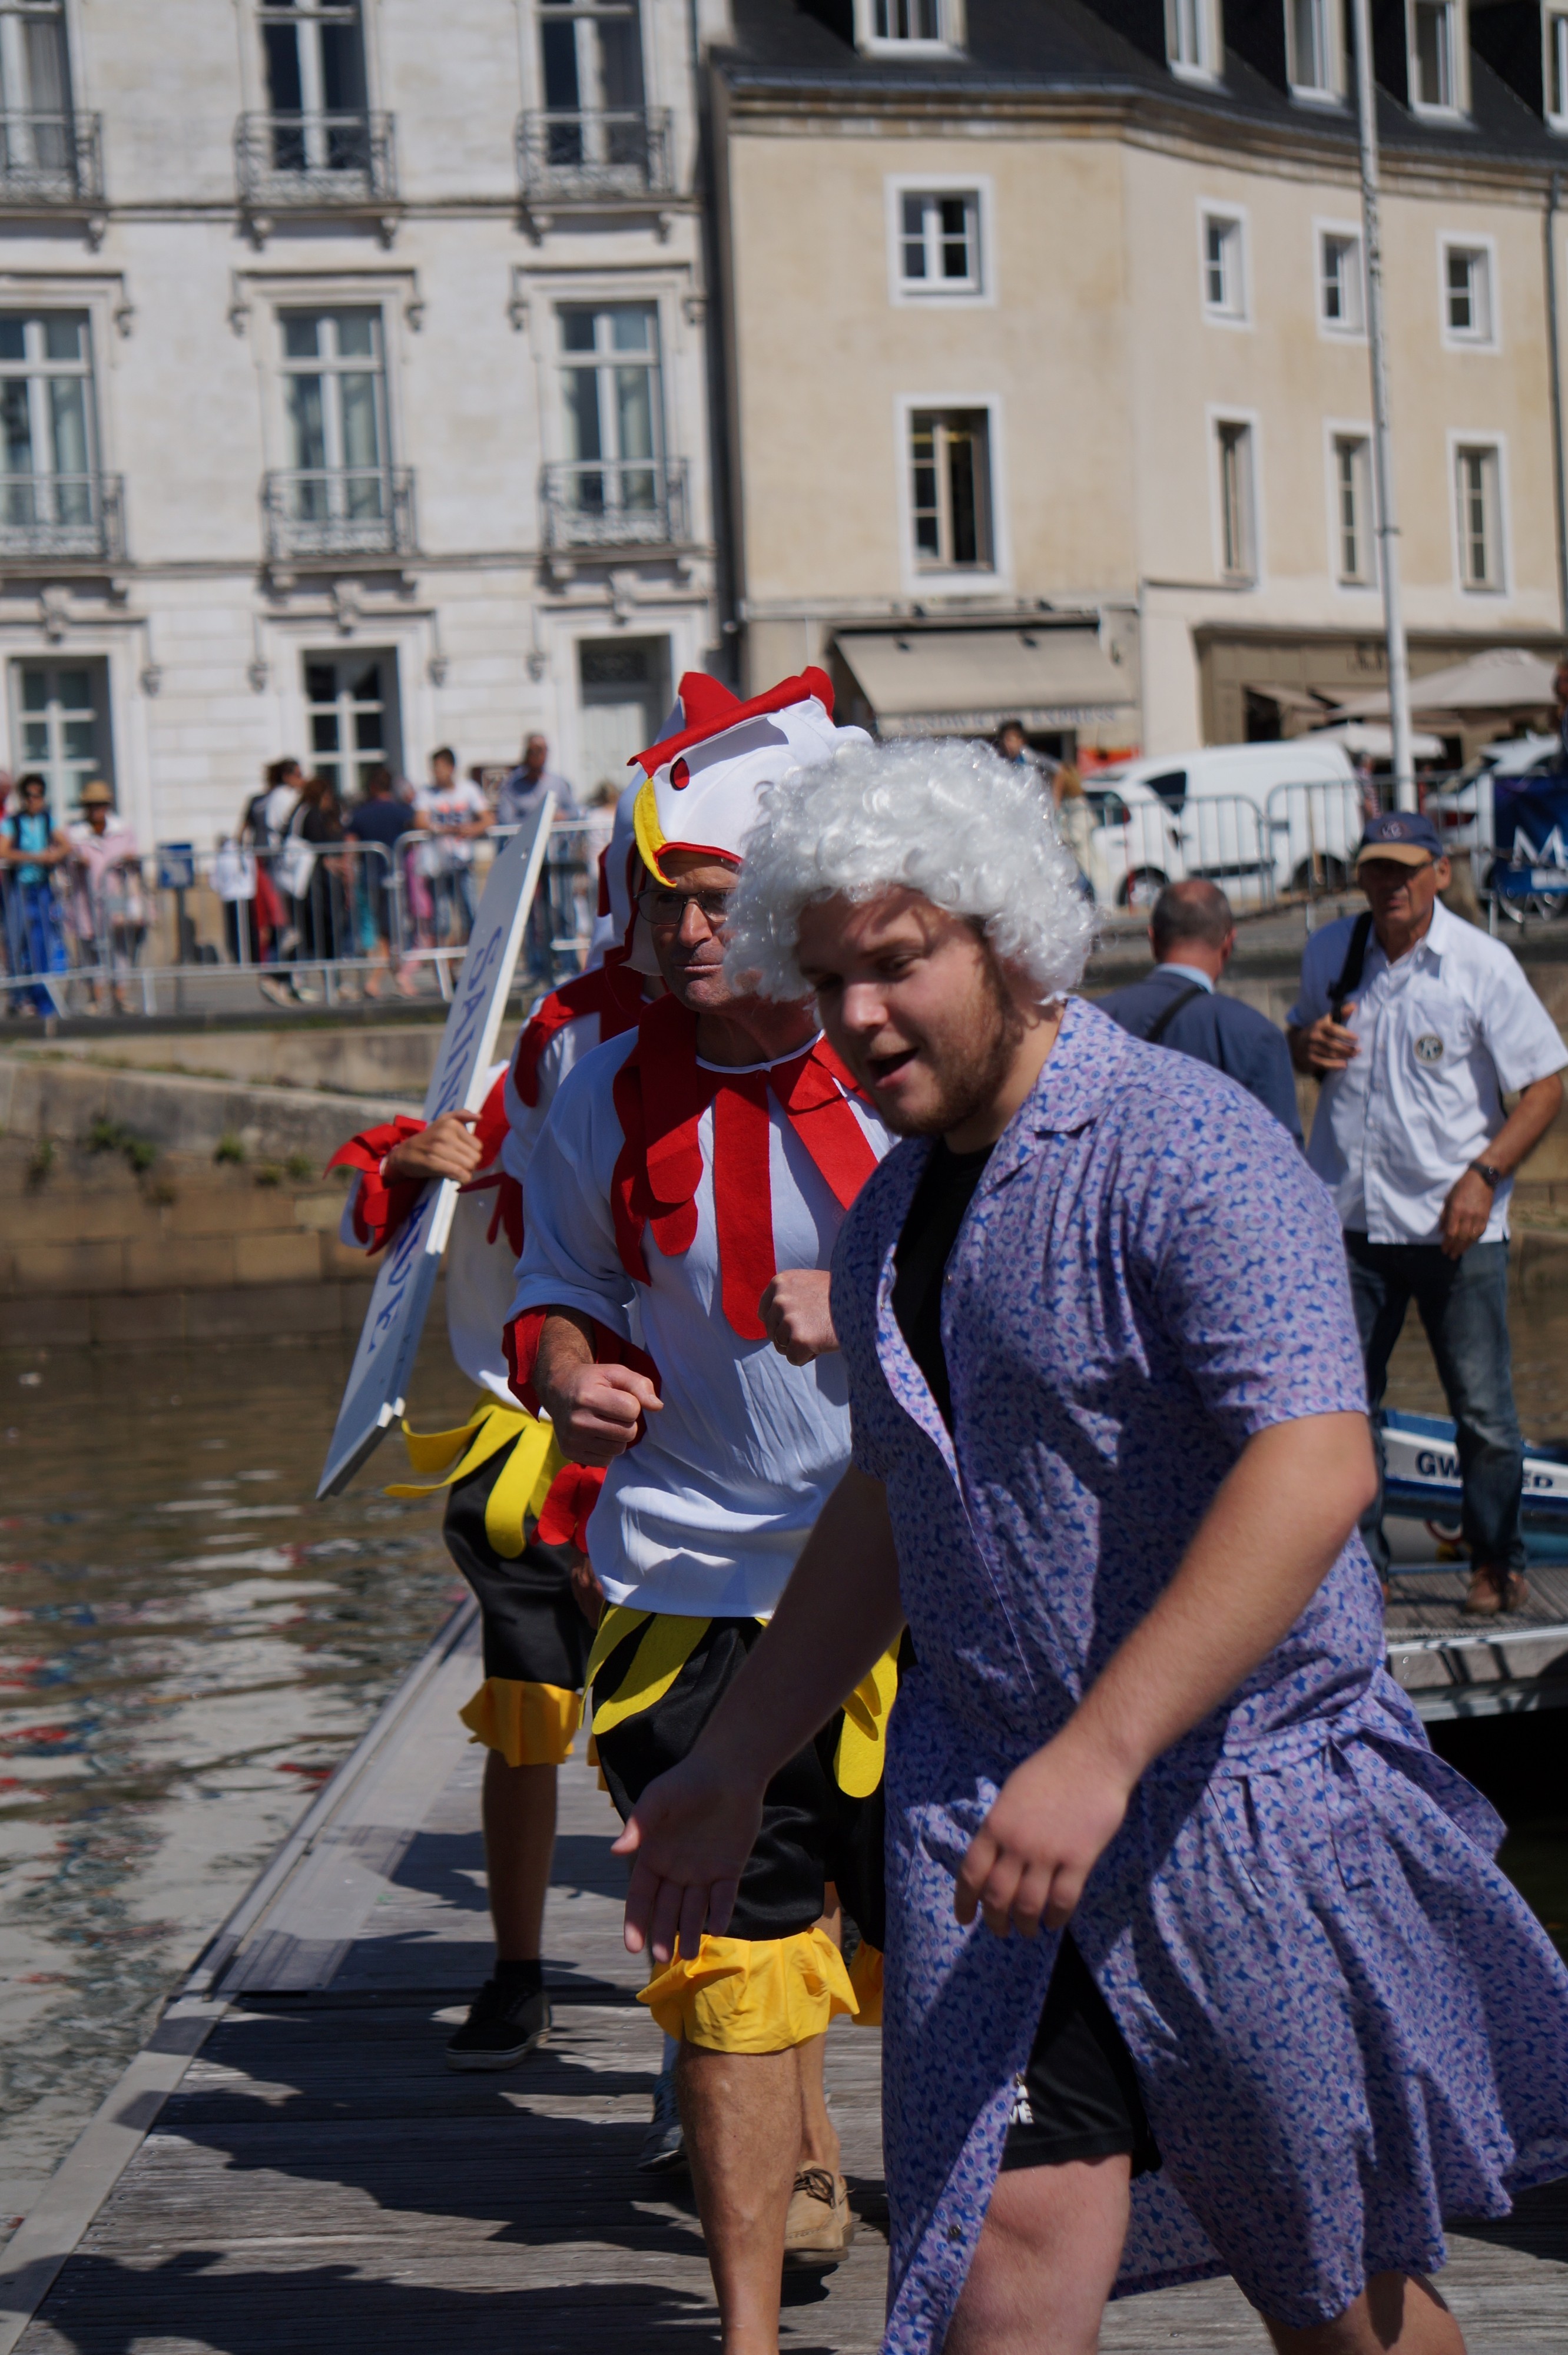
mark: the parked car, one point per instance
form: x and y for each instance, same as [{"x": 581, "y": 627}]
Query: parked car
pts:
[
  {"x": 1259, "y": 819},
  {"x": 1134, "y": 849}
]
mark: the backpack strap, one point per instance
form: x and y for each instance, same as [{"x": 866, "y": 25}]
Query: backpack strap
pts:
[
  {"x": 1350, "y": 971},
  {"x": 1168, "y": 1013}
]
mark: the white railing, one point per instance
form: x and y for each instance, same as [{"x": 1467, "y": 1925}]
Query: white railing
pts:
[{"x": 297, "y": 925}]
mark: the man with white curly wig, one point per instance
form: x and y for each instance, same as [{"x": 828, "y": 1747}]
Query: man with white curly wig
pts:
[{"x": 1247, "y": 1992}]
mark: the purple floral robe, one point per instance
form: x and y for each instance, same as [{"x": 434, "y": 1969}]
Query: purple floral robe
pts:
[{"x": 1345, "y": 2020}]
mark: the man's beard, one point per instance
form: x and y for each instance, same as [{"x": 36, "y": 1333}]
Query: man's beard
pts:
[{"x": 976, "y": 1062}]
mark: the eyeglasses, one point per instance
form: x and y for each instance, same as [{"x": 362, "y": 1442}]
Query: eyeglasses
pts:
[{"x": 667, "y": 909}]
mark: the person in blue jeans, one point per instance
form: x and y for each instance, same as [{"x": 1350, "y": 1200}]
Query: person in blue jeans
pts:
[
  {"x": 31, "y": 846},
  {"x": 1416, "y": 1023}
]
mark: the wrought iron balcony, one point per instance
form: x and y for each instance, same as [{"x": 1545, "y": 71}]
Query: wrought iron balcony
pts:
[
  {"x": 51, "y": 159},
  {"x": 320, "y": 161},
  {"x": 62, "y": 518},
  {"x": 615, "y": 503},
  {"x": 338, "y": 511},
  {"x": 587, "y": 158}
]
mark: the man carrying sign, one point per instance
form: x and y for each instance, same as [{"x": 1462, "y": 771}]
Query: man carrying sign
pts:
[{"x": 504, "y": 1473}]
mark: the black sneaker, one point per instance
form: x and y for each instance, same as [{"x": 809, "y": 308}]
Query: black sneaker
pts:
[{"x": 502, "y": 2028}]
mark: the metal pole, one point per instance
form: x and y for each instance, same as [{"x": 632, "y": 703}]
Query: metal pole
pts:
[
  {"x": 1383, "y": 445},
  {"x": 1554, "y": 372}
]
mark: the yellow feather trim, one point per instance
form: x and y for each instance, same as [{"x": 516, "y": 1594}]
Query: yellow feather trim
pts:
[
  {"x": 650, "y": 834},
  {"x": 857, "y": 1760},
  {"x": 531, "y": 1725},
  {"x": 519, "y": 1494},
  {"x": 668, "y": 1642},
  {"x": 746, "y": 1995}
]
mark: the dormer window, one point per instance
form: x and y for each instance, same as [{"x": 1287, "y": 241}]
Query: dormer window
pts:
[
  {"x": 902, "y": 28},
  {"x": 1437, "y": 57},
  {"x": 1193, "y": 39},
  {"x": 1556, "y": 29},
  {"x": 1315, "y": 66}
]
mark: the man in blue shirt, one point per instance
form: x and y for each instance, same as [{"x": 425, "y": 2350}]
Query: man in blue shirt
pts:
[{"x": 1192, "y": 934}]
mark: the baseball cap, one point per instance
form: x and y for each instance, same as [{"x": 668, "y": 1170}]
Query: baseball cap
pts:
[{"x": 1401, "y": 834}]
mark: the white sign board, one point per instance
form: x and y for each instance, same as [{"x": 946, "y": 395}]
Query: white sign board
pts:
[{"x": 378, "y": 1383}]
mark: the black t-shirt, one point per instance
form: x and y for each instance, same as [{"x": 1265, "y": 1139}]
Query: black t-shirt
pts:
[{"x": 945, "y": 1190}]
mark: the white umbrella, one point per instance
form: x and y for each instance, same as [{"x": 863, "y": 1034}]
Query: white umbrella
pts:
[
  {"x": 1504, "y": 678},
  {"x": 1374, "y": 740}
]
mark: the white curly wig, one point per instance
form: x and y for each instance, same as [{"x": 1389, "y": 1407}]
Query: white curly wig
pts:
[{"x": 951, "y": 820}]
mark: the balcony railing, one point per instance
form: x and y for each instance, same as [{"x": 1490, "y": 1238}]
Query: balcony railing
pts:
[
  {"x": 60, "y": 518},
  {"x": 51, "y": 159},
  {"x": 323, "y": 160},
  {"x": 566, "y": 158},
  {"x": 615, "y": 503},
  {"x": 339, "y": 511}
]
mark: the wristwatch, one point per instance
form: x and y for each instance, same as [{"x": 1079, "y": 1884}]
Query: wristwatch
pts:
[{"x": 1494, "y": 1177}]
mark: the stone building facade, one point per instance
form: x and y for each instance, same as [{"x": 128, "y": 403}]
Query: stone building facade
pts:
[
  {"x": 354, "y": 389},
  {"x": 1048, "y": 382}
]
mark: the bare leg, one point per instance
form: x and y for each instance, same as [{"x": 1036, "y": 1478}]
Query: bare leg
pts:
[
  {"x": 1396, "y": 2314},
  {"x": 1047, "y": 2259},
  {"x": 519, "y": 1840},
  {"x": 741, "y": 2113},
  {"x": 818, "y": 2136}
]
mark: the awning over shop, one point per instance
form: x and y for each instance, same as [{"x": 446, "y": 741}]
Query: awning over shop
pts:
[{"x": 966, "y": 682}]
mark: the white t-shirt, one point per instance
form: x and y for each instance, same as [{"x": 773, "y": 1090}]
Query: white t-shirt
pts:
[
  {"x": 706, "y": 1514},
  {"x": 1443, "y": 1031},
  {"x": 445, "y": 807}
]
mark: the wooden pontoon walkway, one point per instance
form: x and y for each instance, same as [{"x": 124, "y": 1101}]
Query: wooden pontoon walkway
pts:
[{"x": 291, "y": 2166}]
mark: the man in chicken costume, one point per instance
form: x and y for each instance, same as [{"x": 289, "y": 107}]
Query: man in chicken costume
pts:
[
  {"x": 512, "y": 1510},
  {"x": 672, "y": 1319}
]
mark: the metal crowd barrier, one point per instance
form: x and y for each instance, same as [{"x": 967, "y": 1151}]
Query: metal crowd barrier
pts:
[
  {"x": 1297, "y": 844},
  {"x": 298, "y": 924}
]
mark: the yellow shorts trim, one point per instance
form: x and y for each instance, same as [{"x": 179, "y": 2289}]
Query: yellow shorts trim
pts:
[
  {"x": 865, "y": 1980},
  {"x": 744, "y": 1995},
  {"x": 862, "y": 1741},
  {"x": 530, "y": 1725},
  {"x": 524, "y": 1479}
]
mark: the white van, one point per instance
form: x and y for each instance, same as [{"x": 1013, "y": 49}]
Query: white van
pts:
[
  {"x": 1258, "y": 819},
  {"x": 1133, "y": 844}
]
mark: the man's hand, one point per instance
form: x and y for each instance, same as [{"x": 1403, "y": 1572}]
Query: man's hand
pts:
[
  {"x": 689, "y": 1835},
  {"x": 595, "y": 1409},
  {"x": 447, "y": 1148},
  {"x": 1054, "y": 1817},
  {"x": 796, "y": 1312},
  {"x": 1325, "y": 1046},
  {"x": 1464, "y": 1214}
]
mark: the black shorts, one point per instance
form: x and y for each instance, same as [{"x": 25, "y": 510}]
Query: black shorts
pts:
[
  {"x": 812, "y": 1830},
  {"x": 1078, "y": 2096},
  {"x": 532, "y": 1630}
]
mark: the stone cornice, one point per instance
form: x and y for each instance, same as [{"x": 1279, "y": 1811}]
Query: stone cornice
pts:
[{"x": 1136, "y": 117}]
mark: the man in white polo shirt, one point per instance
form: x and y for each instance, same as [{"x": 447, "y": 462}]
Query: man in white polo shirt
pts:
[{"x": 1416, "y": 1024}]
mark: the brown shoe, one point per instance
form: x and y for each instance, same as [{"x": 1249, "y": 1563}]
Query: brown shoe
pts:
[
  {"x": 820, "y": 2224},
  {"x": 1493, "y": 1592}
]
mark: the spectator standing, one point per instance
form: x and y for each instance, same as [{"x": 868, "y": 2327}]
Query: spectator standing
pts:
[
  {"x": 453, "y": 812},
  {"x": 1012, "y": 741},
  {"x": 1192, "y": 934},
  {"x": 1416, "y": 1023},
  {"x": 521, "y": 796},
  {"x": 322, "y": 920},
  {"x": 526, "y": 787},
  {"x": 32, "y": 847},
  {"x": 380, "y": 823},
  {"x": 107, "y": 913}
]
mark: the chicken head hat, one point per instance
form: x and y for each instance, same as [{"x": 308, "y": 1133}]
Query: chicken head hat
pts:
[{"x": 700, "y": 785}]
